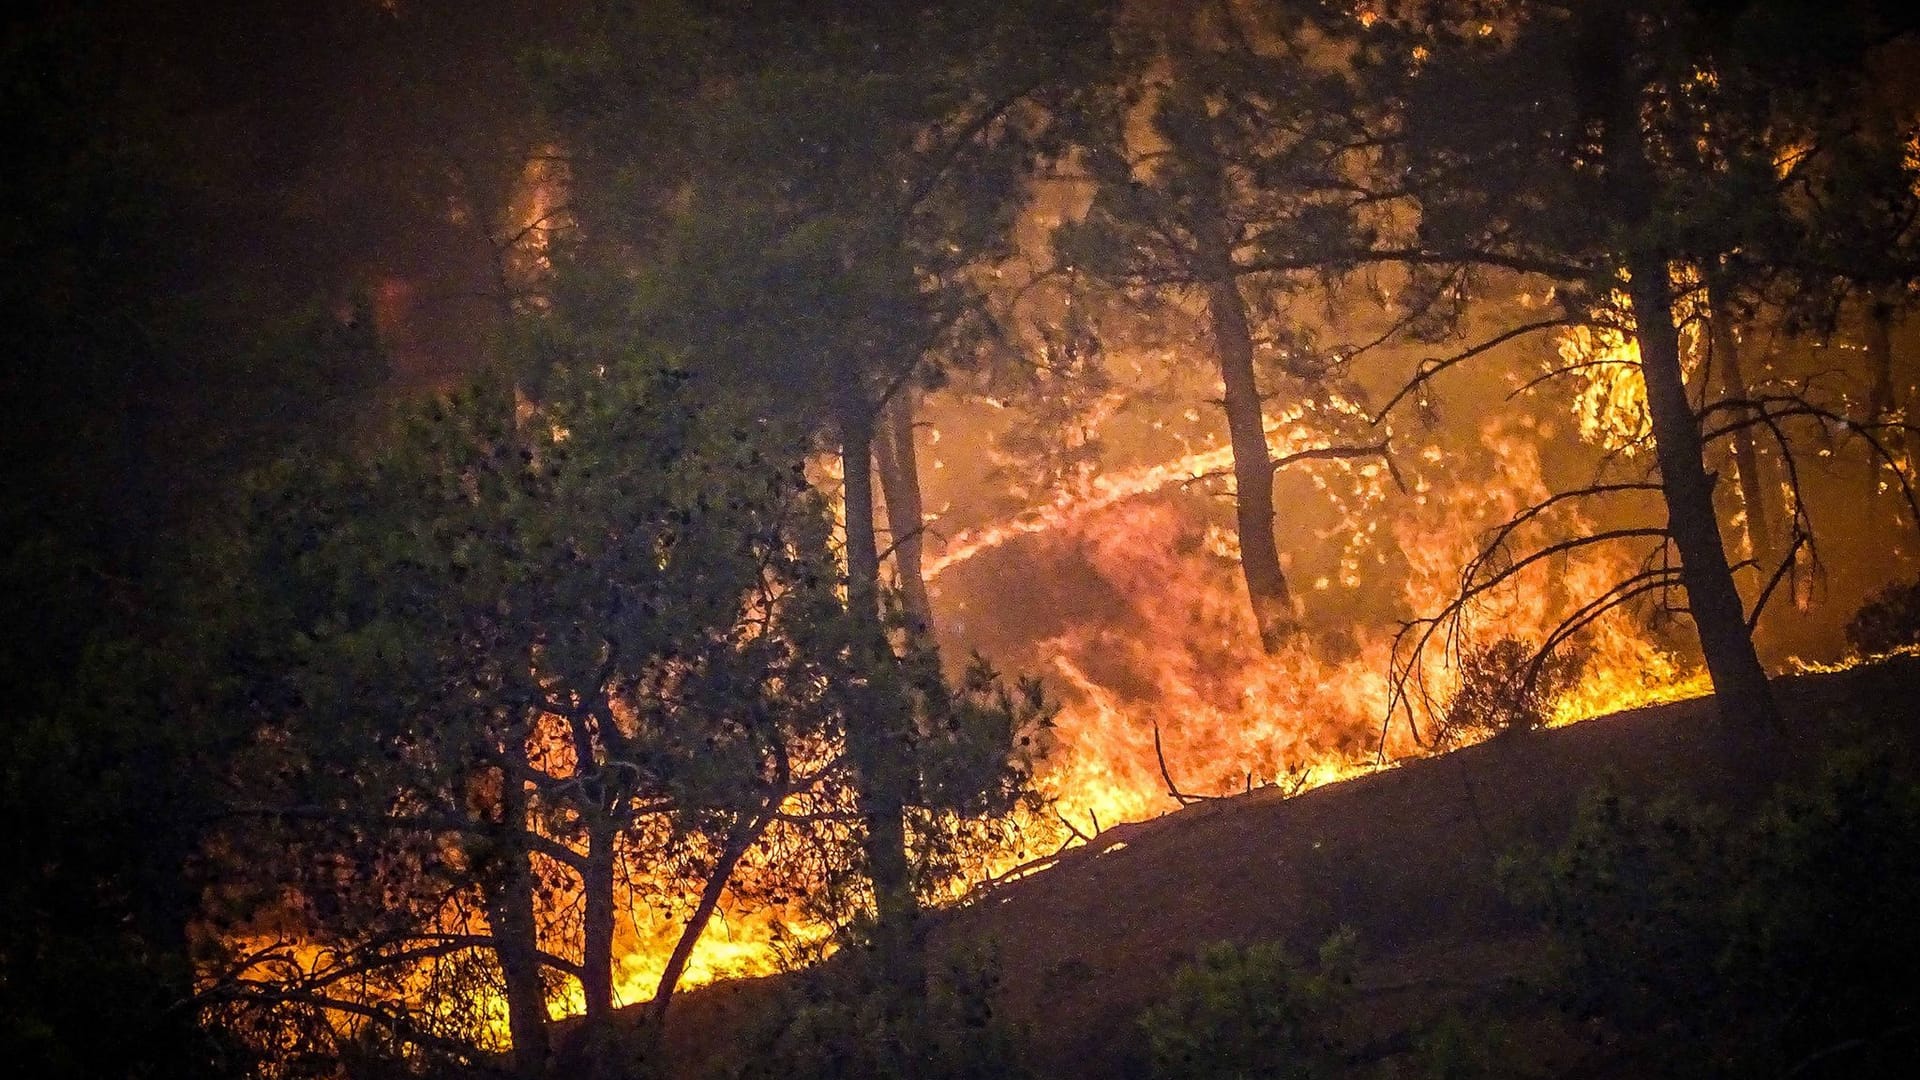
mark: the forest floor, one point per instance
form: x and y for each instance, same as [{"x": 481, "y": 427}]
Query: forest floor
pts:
[{"x": 1408, "y": 857}]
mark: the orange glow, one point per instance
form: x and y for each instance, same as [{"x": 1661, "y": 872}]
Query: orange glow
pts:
[{"x": 1231, "y": 717}]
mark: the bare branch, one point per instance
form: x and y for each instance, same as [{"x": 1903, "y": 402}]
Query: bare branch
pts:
[
  {"x": 1433, "y": 366},
  {"x": 1173, "y": 789}
]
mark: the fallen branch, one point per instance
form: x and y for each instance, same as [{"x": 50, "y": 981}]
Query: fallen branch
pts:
[{"x": 1173, "y": 789}]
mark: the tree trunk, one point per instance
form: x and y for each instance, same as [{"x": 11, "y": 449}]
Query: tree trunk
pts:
[
  {"x": 899, "y": 467},
  {"x": 515, "y": 942},
  {"x": 596, "y": 938},
  {"x": 737, "y": 843},
  {"x": 1882, "y": 400},
  {"x": 516, "y": 939},
  {"x": 876, "y": 741},
  {"x": 1746, "y": 457},
  {"x": 1739, "y": 682},
  {"x": 1252, "y": 467},
  {"x": 1212, "y": 228},
  {"x": 1880, "y": 357}
]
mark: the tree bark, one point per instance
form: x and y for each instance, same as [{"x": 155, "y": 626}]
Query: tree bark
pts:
[
  {"x": 596, "y": 938},
  {"x": 899, "y": 468},
  {"x": 516, "y": 940},
  {"x": 1746, "y": 457},
  {"x": 1739, "y": 682},
  {"x": 735, "y": 847},
  {"x": 876, "y": 741},
  {"x": 1252, "y": 466},
  {"x": 1881, "y": 396}
]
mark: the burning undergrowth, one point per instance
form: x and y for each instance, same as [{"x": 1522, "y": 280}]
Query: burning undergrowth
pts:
[{"x": 1134, "y": 610}]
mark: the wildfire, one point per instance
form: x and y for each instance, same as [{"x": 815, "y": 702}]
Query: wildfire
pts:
[
  {"x": 1172, "y": 686},
  {"x": 1163, "y": 683},
  {"x": 1610, "y": 400},
  {"x": 1179, "y": 690}
]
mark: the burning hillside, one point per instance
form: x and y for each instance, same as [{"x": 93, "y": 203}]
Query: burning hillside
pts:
[{"x": 1123, "y": 589}]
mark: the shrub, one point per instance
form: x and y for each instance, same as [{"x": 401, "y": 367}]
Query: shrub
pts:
[
  {"x": 1634, "y": 899},
  {"x": 1246, "y": 1013},
  {"x": 1461, "y": 1045},
  {"x": 1888, "y": 620},
  {"x": 1823, "y": 931},
  {"x": 1505, "y": 687}
]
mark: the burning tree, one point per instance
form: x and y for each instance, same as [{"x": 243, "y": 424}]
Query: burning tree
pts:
[
  {"x": 527, "y": 668},
  {"x": 811, "y": 243},
  {"x": 1230, "y": 170},
  {"x": 1641, "y": 159},
  {"x": 1502, "y": 690}
]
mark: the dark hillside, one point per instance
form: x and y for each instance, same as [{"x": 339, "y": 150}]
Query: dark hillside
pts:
[{"x": 1406, "y": 857}]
